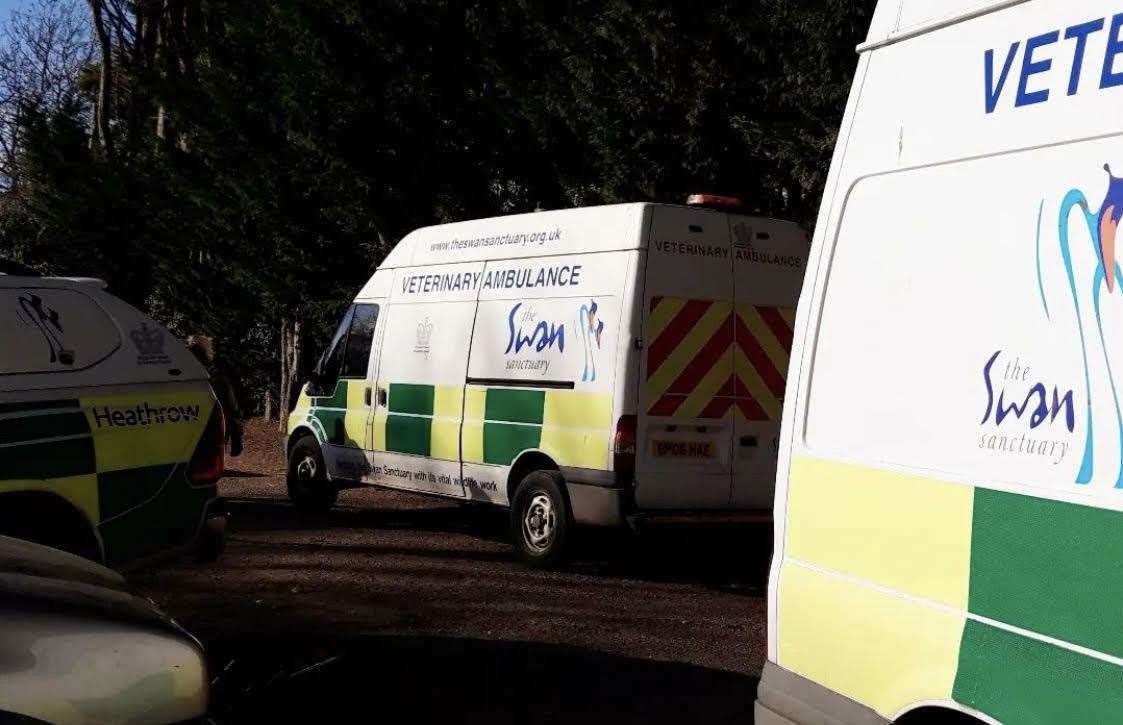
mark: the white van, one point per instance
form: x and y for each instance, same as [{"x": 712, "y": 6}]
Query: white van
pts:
[
  {"x": 111, "y": 442},
  {"x": 949, "y": 508},
  {"x": 579, "y": 366}
]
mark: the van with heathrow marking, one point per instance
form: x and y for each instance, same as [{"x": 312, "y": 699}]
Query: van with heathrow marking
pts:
[
  {"x": 111, "y": 442},
  {"x": 949, "y": 507},
  {"x": 585, "y": 366}
]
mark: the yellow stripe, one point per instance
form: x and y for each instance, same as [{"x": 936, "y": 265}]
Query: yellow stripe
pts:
[
  {"x": 378, "y": 430},
  {"x": 904, "y": 532},
  {"x": 883, "y": 651},
  {"x": 690, "y": 346},
  {"x": 444, "y": 440},
  {"x": 357, "y": 415},
  {"x": 752, "y": 381},
  {"x": 158, "y": 442},
  {"x": 447, "y": 401},
  {"x": 80, "y": 491},
  {"x": 566, "y": 408},
  {"x": 764, "y": 337},
  {"x": 707, "y": 388},
  {"x": 579, "y": 447},
  {"x": 472, "y": 434},
  {"x": 577, "y": 428},
  {"x": 662, "y": 315}
]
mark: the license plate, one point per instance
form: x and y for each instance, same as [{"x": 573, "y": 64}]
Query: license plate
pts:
[{"x": 693, "y": 450}]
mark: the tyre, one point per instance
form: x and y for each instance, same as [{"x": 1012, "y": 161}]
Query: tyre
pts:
[
  {"x": 541, "y": 521},
  {"x": 309, "y": 488},
  {"x": 211, "y": 541}
]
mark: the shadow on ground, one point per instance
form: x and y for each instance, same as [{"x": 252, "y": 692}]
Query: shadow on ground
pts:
[
  {"x": 430, "y": 679},
  {"x": 730, "y": 558}
]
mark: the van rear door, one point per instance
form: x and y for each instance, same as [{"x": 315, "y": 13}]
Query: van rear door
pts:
[
  {"x": 769, "y": 258},
  {"x": 684, "y": 432}
]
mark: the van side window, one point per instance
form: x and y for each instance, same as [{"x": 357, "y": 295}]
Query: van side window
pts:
[
  {"x": 326, "y": 373},
  {"x": 359, "y": 341}
]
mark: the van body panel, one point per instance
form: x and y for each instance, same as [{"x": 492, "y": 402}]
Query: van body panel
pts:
[
  {"x": 103, "y": 409},
  {"x": 948, "y": 503}
]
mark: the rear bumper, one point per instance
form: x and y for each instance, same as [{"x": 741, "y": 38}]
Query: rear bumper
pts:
[
  {"x": 785, "y": 698},
  {"x": 594, "y": 497}
]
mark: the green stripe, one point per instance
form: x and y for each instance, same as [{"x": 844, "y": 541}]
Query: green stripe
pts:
[
  {"x": 516, "y": 406},
  {"x": 338, "y": 398},
  {"x": 169, "y": 520},
  {"x": 504, "y": 441},
  {"x": 414, "y": 399},
  {"x": 1049, "y": 567},
  {"x": 34, "y": 427},
  {"x": 408, "y": 434},
  {"x": 52, "y": 459},
  {"x": 332, "y": 422},
  {"x": 119, "y": 491},
  {"x": 37, "y": 405},
  {"x": 1016, "y": 679}
]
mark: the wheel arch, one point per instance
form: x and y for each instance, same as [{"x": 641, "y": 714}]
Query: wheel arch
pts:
[
  {"x": 941, "y": 713},
  {"x": 297, "y": 433},
  {"x": 47, "y": 506},
  {"x": 525, "y": 463}
]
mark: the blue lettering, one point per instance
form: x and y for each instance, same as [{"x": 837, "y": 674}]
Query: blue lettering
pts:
[
  {"x": 990, "y": 388},
  {"x": 1070, "y": 413},
  {"x": 1109, "y": 78},
  {"x": 540, "y": 281},
  {"x": 574, "y": 275},
  {"x": 994, "y": 92},
  {"x": 1030, "y": 67},
  {"x": 544, "y": 335},
  {"x": 1080, "y": 33}
]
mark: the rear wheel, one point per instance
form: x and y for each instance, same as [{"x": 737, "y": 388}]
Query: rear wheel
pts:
[
  {"x": 541, "y": 521},
  {"x": 309, "y": 488}
]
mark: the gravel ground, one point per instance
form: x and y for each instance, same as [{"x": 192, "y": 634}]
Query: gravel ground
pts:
[{"x": 398, "y": 601}]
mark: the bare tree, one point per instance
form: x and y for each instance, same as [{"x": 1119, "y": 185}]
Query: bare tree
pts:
[{"x": 43, "y": 48}]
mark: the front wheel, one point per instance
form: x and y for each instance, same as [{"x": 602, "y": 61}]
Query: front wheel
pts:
[
  {"x": 540, "y": 519},
  {"x": 309, "y": 488}
]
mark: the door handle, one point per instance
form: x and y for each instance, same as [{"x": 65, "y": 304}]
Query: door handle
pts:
[
  {"x": 382, "y": 396},
  {"x": 749, "y": 442},
  {"x": 366, "y": 396}
]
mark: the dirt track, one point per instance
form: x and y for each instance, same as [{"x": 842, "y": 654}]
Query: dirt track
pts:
[{"x": 397, "y": 601}]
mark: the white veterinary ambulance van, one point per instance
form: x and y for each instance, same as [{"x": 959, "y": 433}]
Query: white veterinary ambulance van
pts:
[
  {"x": 579, "y": 366},
  {"x": 949, "y": 507}
]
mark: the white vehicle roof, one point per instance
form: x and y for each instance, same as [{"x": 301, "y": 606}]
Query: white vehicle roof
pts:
[
  {"x": 62, "y": 332},
  {"x": 895, "y": 20},
  {"x": 565, "y": 231}
]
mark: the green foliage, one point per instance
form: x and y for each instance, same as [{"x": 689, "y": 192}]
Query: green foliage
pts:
[{"x": 302, "y": 138}]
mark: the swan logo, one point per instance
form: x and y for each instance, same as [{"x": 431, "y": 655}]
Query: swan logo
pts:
[
  {"x": 591, "y": 327},
  {"x": 34, "y": 312},
  {"x": 1085, "y": 303}
]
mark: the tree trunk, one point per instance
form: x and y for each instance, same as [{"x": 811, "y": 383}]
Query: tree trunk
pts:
[
  {"x": 291, "y": 378},
  {"x": 105, "y": 85}
]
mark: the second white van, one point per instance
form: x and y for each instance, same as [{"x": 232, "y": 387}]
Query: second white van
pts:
[{"x": 584, "y": 366}]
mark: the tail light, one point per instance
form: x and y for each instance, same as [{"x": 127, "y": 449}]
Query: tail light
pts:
[
  {"x": 624, "y": 450},
  {"x": 208, "y": 463}
]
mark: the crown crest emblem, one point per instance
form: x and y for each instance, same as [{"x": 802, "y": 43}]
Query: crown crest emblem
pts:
[
  {"x": 424, "y": 332},
  {"x": 148, "y": 340}
]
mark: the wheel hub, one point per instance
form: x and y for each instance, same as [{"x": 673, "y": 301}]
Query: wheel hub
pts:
[
  {"x": 306, "y": 469},
  {"x": 539, "y": 522}
]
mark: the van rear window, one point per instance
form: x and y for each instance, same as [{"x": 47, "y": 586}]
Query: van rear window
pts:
[{"x": 45, "y": 330}]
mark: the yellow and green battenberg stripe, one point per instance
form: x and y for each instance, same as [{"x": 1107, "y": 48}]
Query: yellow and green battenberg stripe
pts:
[
  {"x": 898, "y": 589},
  {"x": 573, "y": 428},
  {"x": 120, "y": 460}
]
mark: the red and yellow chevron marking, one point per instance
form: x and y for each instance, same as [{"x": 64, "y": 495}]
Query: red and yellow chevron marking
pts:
[{"x": 707, "y": 358}]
